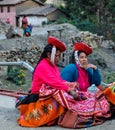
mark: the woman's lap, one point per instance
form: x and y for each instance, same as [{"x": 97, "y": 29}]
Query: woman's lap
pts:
[{"x": 89, "y": 112}]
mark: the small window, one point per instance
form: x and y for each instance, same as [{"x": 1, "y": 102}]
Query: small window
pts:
[
  {"x": 1, "y": 9},
  {"x": 8, "y": 9}
]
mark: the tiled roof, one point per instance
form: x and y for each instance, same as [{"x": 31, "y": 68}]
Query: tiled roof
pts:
[
  {"x": 41, "y": 11},
  {"x": 14, "y": 2}
]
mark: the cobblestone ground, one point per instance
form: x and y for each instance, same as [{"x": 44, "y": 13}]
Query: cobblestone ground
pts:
[{"x": 9, "y": 115}]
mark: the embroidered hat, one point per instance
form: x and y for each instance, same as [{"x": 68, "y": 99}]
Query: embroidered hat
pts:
[
  {"x": 81, "y": 46},
  {"x": 57, "y": 43}
]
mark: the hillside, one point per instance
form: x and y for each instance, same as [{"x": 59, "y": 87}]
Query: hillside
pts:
[{"x": 28, "y": 49}]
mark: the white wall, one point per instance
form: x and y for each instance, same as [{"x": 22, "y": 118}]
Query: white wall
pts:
[{"x": 34, "y": 20}]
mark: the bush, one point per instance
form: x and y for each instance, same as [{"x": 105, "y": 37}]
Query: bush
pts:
[
  {"x": 44, "y": 23},
  {"x": 62, "y": 20},
  {"x": 16, "y": 75}
]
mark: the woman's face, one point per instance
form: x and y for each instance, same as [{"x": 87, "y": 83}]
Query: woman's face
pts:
[
  {"x": 57, "y": 56},
  {"x": 83, "y": 59}
]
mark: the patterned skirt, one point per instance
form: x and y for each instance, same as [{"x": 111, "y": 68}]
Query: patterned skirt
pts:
[
  {"x": 39, "y": 113},
  {"x": 57, "y": 104}
]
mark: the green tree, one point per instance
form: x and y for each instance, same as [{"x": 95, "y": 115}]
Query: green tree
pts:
[
  {"x": 90, "y": 9},
  {"x": 92, "y": 14},
  {"x": 80, "y": 8},
  {"x": 111, "y": 7}
]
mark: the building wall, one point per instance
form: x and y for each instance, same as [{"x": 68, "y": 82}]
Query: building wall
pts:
[
  {"x": 34, "y": 20},
  {"x": 39, "y": 20},
  {"x": 11, "y": 15},
  {"x": 14, "y": 10}
]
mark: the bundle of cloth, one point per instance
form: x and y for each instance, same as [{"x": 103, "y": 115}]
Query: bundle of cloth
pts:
[{"x": 110, "y": 93}]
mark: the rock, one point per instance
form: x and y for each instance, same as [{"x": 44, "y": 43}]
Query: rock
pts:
[{"x": 12, "y": 33}]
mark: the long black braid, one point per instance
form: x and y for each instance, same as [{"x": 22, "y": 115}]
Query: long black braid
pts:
[{"x": 47, "y": 49}]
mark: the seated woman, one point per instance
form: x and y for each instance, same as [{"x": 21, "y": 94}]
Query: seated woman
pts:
[
  {"x": 48, "y": 84},
  {"x": 86, "y": 75},
  {"x": 80, "y": 71},
  {"x": 58, "y": 100}
]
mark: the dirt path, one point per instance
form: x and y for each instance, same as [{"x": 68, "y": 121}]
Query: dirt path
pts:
[{"x": 9, "y": 115}]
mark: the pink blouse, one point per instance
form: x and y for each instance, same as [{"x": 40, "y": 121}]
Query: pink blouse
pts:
[
  {"x": 46, "y": 73},
  {"x": 82, "y": 80}
]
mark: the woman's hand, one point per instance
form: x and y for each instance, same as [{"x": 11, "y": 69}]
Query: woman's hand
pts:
[
  {"x": 77, "y": 96},
  {"x": 91, "y": 66},
  {"x": 74, "y": 94}
]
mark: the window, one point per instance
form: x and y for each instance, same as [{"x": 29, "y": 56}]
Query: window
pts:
[
  {"x": 8, "y": 9},
  {"x": 1, "y": 9}
]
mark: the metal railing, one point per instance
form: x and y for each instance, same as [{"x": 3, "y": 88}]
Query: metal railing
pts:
[{"x": 20, "y": 63}]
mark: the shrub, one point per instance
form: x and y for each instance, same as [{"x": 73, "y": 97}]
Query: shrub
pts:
[{"x": 17, "y": 75}]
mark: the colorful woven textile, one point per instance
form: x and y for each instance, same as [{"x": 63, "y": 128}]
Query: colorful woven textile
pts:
[
  {"x": 92, "y": 111},
  {"x": 39, "y": 113},
  {"x": 53, "y": 104}
]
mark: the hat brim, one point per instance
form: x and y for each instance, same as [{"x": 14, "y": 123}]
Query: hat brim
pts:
[
  {"x": 80, "y": 46},
  {"x": 57, "y": 43}
]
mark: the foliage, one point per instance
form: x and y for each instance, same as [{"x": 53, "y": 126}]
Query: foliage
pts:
[
  {"x": 63, "y": 20},
  {"x": 86, "y": 25},
  {"x": 16, "y": 75},
  {"x": 44, "y": 23},
  {"x": 85, "y": 9},
  {"x": 80, "y": 8},
  {"x": 100, "y": 29},
  {"x": 111, "y": 6},
  {"x": 43, "y": 1},
  {"x": 91, "y": 15}
]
